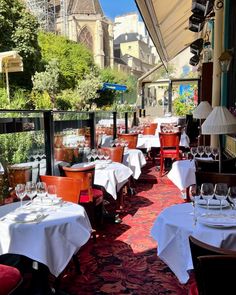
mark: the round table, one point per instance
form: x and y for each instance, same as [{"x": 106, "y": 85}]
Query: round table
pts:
[{"x": 172, "y": 229}]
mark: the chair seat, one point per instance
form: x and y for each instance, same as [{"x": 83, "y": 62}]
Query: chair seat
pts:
[
  {"x": 97, "y": 195},
  {"x": 171, "y": 153},
  {"x": 193, "y": 290},
  {"x": 10, "y": 279}
]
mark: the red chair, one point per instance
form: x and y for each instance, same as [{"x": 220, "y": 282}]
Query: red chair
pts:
[
  {"x": 169, "y": 148},
  {"x": 149, "y": 131},
  {"x": 131, "y": 138},
  {"x": 115, "y": 153},
  {"x": 67, "y": 188},
  {"x": 91, "y": 198},
  {"x": 10, "y": 280}
]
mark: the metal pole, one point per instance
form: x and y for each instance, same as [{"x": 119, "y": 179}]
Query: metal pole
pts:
[
  {"x": 126, "y": 122},
  {"x": 92, "y": 129},
  {"x": 49, "y": 142},
  {"x": 114, "y": 125}
]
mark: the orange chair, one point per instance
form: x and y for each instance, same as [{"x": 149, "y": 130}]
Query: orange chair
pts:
[
  {"x": 67, "y": 188},
  {"x": 90, "y": 197},
  {"x": 154, "y": 126},
  {"x": 115, "y": 153},
  {"x": 149, "y": 131},
  {"x": 169, "y": 148},
  {"x": 131, "y": 138}
]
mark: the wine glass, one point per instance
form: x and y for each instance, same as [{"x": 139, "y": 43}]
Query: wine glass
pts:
[
  {"x": 106, "y": 156},
  {"x": 20, "y": 192},
  {"x": 207, "y": 193},
  {"x": 232, "y": 195},
  {"x": 30, "y": 189},
  {"x": 200, "y": 150},
  {"x": 208, "y": 151},
  {"x": 89, "y": 156},
  {"x": 193, "y": 151},
  {"x": 41, "y": 190},
  {"x": 221, "y": 191},
  {"x": 195, "y": 195},
  {"x": 52, "y": 192},
  {"x": 215, "y": 152}
]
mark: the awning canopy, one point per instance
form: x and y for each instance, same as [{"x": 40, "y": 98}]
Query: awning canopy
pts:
[
  {"x": 10, "y": 61},
  {"x": 111, "y": 86},
  {"x": 167, "y": 22}
]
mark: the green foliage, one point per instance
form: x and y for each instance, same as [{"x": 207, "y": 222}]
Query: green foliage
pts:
[
  {"x": 41, "y": 100},
  {"x": 75, "y": 60},
  {"x": 19, "y": 32},
  {"x": 183, "y": 105},
  {"x": 109, "y": 75},
  {"x": 19, "y": 99}
]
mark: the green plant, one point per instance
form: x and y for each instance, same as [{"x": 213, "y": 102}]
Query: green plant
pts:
[{"x": 183, "y": 105}]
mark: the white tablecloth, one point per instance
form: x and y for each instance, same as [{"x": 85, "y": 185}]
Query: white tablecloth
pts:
[
  {"x": 135, "y": 160},
  {"x": 52, "y": 241},
  {"x": 182, "y": 173},
  {"x": 112, "y": 177},
  {"x": 149, "y": 141},
  {"x": 171, "y": 230}
]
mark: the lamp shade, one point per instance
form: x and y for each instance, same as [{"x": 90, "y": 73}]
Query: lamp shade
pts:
[
  {"x": 220, "y": 121},
  {"x": 202, "y": 110}
]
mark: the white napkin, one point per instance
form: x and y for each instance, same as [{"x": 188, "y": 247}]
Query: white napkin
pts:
[
  {"x": 213, "y": 202},
  {"x": 216, "y": 220}
]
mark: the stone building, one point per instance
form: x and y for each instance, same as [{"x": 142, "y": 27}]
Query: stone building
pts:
[{"x": 85, "y": 22}]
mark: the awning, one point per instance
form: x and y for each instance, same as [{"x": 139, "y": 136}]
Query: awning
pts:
[
  {"x": 111, "y": 86},
  {"x": 167, "y": 22},
  {"x": 10, "y": 61}
]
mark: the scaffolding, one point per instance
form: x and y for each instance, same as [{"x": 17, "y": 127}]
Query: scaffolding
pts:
[{"x": 44, "y": 10}]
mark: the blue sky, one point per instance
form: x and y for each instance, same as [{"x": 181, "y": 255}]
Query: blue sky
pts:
[{"x": 112, "y": 8}]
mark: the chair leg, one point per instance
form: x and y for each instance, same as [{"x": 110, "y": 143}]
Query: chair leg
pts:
[{"x": 161, "y": 166}]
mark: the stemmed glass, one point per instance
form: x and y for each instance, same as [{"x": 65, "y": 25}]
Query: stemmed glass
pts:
[
  {"x": 52, "y": 192},
  {"x": 20, "y": 192},
  {"x": 232, "y": 195},
  {"x": 89, "y": 156},
  {"x": 200, "y": 150},
  {"x": 208, "y": 151},
  {"x": 221, "y": 191},
  {"x": 193, "y": 151},
  {"x": 207, "y": 193},
  {"x": 106, "y": 156},
  {"x": 41, "y": 190},
  {"x": 195, "y": 195},
  {"x": 30, "y": 189},
  {"x": 215, "y": 152}
]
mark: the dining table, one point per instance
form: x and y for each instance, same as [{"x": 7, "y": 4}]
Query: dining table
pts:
[
  {"x": 174, "y": 225},
  {"x": 112, "y": 176},
  {"x": 135, "y": 160},
  {"x": 48, "y": 232}
]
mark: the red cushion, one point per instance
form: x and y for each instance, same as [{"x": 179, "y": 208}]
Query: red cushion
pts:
[
  {"x": 10, "y": 278},
  {"x": 97, "y": 195},
  {"x": 193, "y": 290}
]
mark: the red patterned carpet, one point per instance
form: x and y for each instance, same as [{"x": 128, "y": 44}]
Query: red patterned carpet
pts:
[{"x": 124, "y": 258}]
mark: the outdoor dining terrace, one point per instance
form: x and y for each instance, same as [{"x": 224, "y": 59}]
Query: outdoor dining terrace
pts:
[{"x": 131, "y": 206}]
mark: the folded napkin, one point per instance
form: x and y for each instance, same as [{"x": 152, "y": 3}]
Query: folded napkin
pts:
[
  {"x": 47, "y": 201},
  {"x": 216, "y": 220},
  {"x": 213, "y": 202}
]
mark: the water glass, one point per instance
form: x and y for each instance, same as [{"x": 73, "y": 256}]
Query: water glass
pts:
[
  {"x": 52, "y": 192},
  {"x": 195, "y": 195},
  {"x": 221, "y": 192},
  {"x": 207, "y": 193},
  {"x": 215, "y": 152},
  {"x": 41, "y": 190},
  {"x": 208, "y": 151},
  {"x": 20, "y": 192},
  {"x": 30, "y": 189},
  {"x": 193, "y": 151},
  {"x": 200, "y": 150},
  {"x": 232, "y": 195}
]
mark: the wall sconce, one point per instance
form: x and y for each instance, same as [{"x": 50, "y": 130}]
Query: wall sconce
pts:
[{"x": 225, "y": 60}]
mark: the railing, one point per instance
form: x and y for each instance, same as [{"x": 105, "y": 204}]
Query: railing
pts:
[{"x": 25, "y": 134}]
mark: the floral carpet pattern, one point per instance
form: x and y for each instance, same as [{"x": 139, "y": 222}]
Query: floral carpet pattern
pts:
[{"x": 124, "y": 258}]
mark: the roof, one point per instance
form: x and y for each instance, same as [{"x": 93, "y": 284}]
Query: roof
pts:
[
  {"x": 83, "y": 6},
  {"x": 167, "y": 22},
  {"x": 10, "y": 61},
  {"x": 128, "y": 37}
]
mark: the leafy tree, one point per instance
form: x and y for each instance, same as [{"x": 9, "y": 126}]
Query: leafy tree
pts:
[
  {"x": 18, "y": 31},
  {"x": 48, "y": 81},
  {"x": 75, "y": 60}
]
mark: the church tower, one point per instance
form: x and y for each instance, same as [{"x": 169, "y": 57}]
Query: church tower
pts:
[{"x": 83, "y": 21}]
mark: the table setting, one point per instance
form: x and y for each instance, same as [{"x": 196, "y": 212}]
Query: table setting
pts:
[{"x": 207, "y": 219}]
